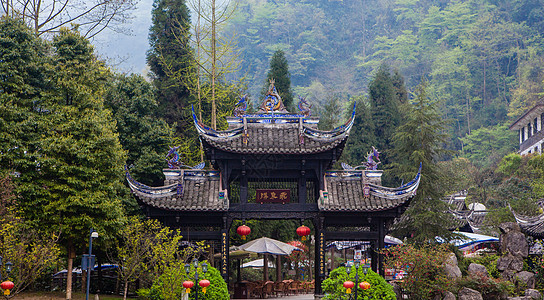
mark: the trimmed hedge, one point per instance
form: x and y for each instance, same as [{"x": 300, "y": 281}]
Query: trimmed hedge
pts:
[
  {"x": 379, "y": 288},
  {"x": 169, "y": 285}
]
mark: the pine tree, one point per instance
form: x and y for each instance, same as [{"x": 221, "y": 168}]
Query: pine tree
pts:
[
  {"x": 279, "y": 71},
  {"x": 170, "y": 53},
  {"x": 384, "y": 107},
  {"x": 361, "y": 138},
  {"x": 420, "y": 140}
]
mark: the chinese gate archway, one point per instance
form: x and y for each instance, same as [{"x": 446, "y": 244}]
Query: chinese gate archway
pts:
[{"x": 276, "y": 165}]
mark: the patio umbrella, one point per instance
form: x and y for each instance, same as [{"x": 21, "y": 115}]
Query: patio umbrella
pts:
[
  {"x": 258, "y": 263},
  {"x": 268, "y": 246}
]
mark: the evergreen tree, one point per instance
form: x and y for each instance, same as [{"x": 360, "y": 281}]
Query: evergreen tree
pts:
[
  {"x": 420, "y": 140},
  {"x": 331, "y": 113},
  {"x": 22, "y": 81},
  {"x": 279, "y": 71},
  {"x": 361, "y": 138},
  {"x": 144, "y": 136},
  {"x": 170, "y": 53},
  {"x": 384, "y": 107},
  {"x": 59, "y": 139}
]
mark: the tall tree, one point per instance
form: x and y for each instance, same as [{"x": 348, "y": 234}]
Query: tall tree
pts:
[
  {"x": 61, "y": 142},
  {"x": 216, "y": 53},
  {"x": 142, "y": 134},
  {"x": 82, "y": 164},
  {"x": 419, "y": 140},
  {"x": 279, "y": 71},
  {"x": 362, "y": 136},
  {"x": 384, "y": 107},
  {"x": 331, "y": 113},
  {"x": 170, "y": 53}
]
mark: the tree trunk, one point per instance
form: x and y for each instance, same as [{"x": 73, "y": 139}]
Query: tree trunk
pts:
[
  {"x": 71, "y": 255},
  {"x": 214, "y": 61},
  {"x": 83, "y": 281},
  {"x": 126, "y": 290}
]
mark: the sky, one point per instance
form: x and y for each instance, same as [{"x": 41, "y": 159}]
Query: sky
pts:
[{"x": 126, "y": 52}]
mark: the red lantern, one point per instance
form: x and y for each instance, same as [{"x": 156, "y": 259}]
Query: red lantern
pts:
[
  {"x": 303, "y": 231},
  {"x": 364, "y": 285},
  {"x": 348, "y": 285},
  {"x": 6, "y": 286},
  {"x": 188, "y": 285},
  {"x": 243, "y": 231},
  {"x": 204, "y": 283}
]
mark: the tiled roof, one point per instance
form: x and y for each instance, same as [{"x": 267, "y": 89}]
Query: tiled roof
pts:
[
  {"x": 533, "y": 226},
  {"x": 198, "y": 192},
  {"x": 274, "y": 139},
  {"x": 347, "y": 194}
]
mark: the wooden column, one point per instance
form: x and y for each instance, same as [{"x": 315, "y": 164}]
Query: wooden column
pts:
[
  {"x": 243, "y": 183},
  {"x": 278, "y": 268},
  {"x": 381, "y": 246},
  {"x": 302, "y": 183},
  {"x": 320, "y": 262},
  {"x": 265, "y": 267},
  {"x": 373, "y": 255},
  {"x": 225, "y": 250}
]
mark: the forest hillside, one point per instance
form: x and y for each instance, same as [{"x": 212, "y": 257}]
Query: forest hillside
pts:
[{"x": 483, "y": 59}]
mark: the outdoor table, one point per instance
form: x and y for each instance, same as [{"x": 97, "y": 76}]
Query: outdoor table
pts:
[{"x": 242, "y": 290}]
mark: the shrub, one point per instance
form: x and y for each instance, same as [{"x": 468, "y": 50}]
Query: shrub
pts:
[
  {"x": 379, "y": 288},
  {"x": 169, "y": 285},
  {"x": 424, "y": 266},
  {"x": 490, "y": 263},
  {"x": 490, "y": 288}
]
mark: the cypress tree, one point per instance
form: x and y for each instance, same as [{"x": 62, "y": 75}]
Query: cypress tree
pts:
[
  {"x": 170, "y": 53},
  {"x": 384, "y": 107},
  {"x": 420, "y": 139},
  {"x": 279, "y": 71},
  {"x": 362, "y": 136}
]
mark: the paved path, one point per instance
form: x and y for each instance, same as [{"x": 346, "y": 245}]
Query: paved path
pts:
[{"x": 299, "y": 297}]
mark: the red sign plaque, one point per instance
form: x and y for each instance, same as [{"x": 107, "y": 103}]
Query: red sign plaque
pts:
[{"x": 273, "y": 196}]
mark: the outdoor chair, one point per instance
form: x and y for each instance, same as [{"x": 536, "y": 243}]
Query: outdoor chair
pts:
[
  {"x": 286, "y": 284},
  {"x": 279, "y": 288},
  {"x": 255, "y": 289},
  {"x": 293, "y": 288},
  {"x": 267, "y": 289},
  {"x": 311, "y": 286}
]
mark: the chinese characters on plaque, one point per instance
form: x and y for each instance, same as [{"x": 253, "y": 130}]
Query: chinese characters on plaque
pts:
[{"x": 273, "y": 196}]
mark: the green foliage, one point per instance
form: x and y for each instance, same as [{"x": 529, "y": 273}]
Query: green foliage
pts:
[
  {"x": 144, "y": 136},
  {"x": 509, "y": 164},
  {"x": 279, "y": 71},
  {"x": 330, "y": 113},
  {"x": 379, "y": 288},
  {"x": 469, "y": 51},
  {"x": 424, "y": 266},
  {"x": 168, "y": 286},
  {"x": 361, "y": 138},
  {"x": 420, "y": 140},
  {"x": 385, "y": 110},
  {"x": 486, "y": 146},
  {"x": 169, "y": 54},
  {"x": 490, "y": 263},
  {"x": 31, "y": 252},
  {"x": 490, "y": 288}
]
